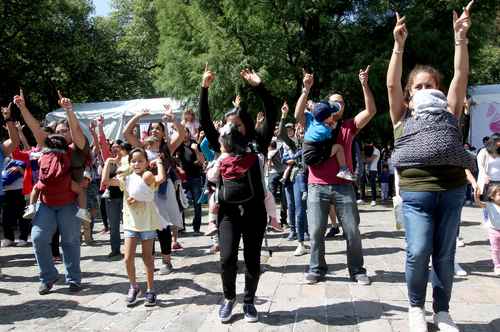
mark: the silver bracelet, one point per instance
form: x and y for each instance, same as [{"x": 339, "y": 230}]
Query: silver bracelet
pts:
[{"x": 397, "y": 51}]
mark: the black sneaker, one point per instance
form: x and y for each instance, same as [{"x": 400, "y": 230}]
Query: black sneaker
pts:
[
  {"x": 332, "y": 232},
  {"x": 313, "y": 278},
  {"x": 133, "y": 294},
  {"x": 44, "y": 288},
  {"x": 74, "y": 287},
  {"x": 250, "y": 312},
  {"x": 226, "y": 311},
  {"x": 149, "y": 299},
  {"x": 115, "y": 255}
]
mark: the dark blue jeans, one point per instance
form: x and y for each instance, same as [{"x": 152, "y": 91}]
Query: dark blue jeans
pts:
[
  {"x": 296, "y": 206},
  {"x": 431, "y": 223},
  {"x": 193, "y": 186}
]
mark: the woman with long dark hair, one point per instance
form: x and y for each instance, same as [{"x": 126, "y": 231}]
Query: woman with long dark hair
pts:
[{"x": 240, "y": 217}]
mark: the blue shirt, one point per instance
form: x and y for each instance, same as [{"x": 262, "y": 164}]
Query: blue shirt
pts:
[
  {"x": 208, "y": 153},
  {"x": 316, "y": 131}
]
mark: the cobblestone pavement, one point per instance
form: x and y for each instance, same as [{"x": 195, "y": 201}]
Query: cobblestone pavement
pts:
[{"x": 189, "y": 298}]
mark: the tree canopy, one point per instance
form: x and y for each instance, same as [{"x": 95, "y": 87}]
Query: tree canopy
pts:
[{"x": 151, "y": 48}]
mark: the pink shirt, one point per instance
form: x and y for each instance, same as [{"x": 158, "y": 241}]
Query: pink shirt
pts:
[{"x": 326, "y": 172}]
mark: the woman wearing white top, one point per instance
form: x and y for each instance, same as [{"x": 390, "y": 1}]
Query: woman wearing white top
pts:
[{"x": 488, "y": 162}]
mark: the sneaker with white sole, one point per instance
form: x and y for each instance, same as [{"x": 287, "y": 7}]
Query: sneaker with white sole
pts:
[
  {"x": 459, "y": 271},
  {"x": 373, "y": 203},
  {"x": 301, "y": 250},
  {"x": 29, "y": 211},
  {"x": 133, "y": 294},
  {"x": 84, "y": 215},
  {"x": 226, "y": 311},
  {"x": 362, "y": 279},
  {"x": 444, "y": 323},
  {"x": 8, "y": 243},
  {"x": 22, "y": 243},
  {"x": 250, "y": 312},
  {"x": 416, "y": 320},
  {"x": 346, "y": 175}
]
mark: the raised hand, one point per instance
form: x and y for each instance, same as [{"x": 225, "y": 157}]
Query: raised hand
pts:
[
  {"x": 100, "y": 121},
  {"x": 260, "y": 118},
  {"x": 284, "y": 110},
  {"x": 65, "y": 103},
  {"x": 462, "y": 24},
  {"x": 400, "y": 32},
  {"x": 168, "y": 115},
  {"x": 92, "y": 125},
  {"x": 251, "y": 77},
  {"x": 208, "y": 77},
  {"x": 19, "y": 100},
  {"x": 6, "y": 111},
  {"x": 363, "y": 76},
  {"x": 308, "y": 80},
  {"x": 237, "y": 101}
]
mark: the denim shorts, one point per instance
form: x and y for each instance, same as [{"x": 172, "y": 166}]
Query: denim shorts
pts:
[{"x": 146, "y": 235}]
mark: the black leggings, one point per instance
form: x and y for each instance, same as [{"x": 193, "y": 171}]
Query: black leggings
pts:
[
  {"x": 104, "y": 214},
  {"x": 165, "y": 238},
  {"x": 234, "y": 223}
]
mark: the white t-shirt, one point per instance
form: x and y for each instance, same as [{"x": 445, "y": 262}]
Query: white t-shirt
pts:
[
  {"x": 374, "y": 162},
  {"x": 494, "y": 168}
]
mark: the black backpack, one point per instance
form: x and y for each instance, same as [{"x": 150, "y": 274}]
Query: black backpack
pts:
[{"x": 242, "y": 189}]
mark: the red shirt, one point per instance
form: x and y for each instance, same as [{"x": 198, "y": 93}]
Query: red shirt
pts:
[
  {"x": 24, "y": 156},
  {"x": 326, "y": 172},
  {"x": 60, "y": 194}
]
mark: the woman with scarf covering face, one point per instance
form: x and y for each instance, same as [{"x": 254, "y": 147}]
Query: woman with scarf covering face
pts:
[
  {"x": 239, "y": 216},
  {"x": 430, "y": 160}
]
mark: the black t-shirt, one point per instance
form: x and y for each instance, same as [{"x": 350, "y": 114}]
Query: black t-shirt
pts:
[
  {"x": 114, "y": 191},
  {"x": 187, "y": 158}
]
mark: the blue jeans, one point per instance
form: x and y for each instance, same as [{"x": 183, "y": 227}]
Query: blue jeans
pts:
[
  {"x": 193, "y": 186},
  {"x": 296, "y": 206},
  {"x": 319, "y": 200},
  {"x": 114, "y": 207},
  {"x": 431, "y": 223},
  {"x": 45, "y": 223}
]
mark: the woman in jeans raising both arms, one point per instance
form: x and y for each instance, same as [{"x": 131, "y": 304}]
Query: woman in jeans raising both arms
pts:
[{"x": 430, "y": 160}]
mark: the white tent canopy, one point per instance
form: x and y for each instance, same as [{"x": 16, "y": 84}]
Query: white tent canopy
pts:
[
  {"x": 117, "y": 113},
  {"x": 484, "y": 113}
]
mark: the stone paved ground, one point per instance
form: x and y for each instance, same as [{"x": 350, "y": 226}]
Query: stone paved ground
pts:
[{"x": 189, "y": 298}]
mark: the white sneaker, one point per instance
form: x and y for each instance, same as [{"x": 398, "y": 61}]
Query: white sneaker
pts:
[
  {"x": 460, "y": 242},
  {"x": 416, "y": 319},
  {"x": 444, "y": 322},
  {"x": 84, "y": 215},
  {"x": 8, "y": 243},
  {"x": 496, "y": 271},
  {"x": 373, "y": 203},
  {"x": 301, "y": 250},
  {"x": 183, "y": 198},
  {"x": 360, "y": 201},
  {"x": 105, "y": 194},
  {"x": 22, "y": 243},
  {"x": 29, "y": 211},
  {"x": 346, "y": 175},
  {"x": 459, "y": 271}
]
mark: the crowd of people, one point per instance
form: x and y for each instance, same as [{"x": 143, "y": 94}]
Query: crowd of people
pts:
[{"x": 313, "y": 166}]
